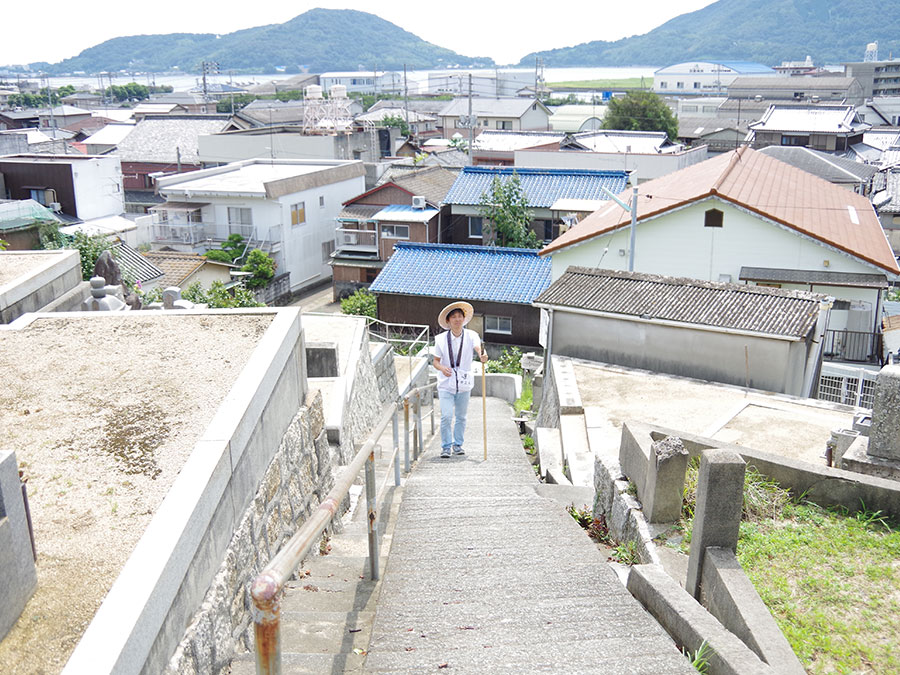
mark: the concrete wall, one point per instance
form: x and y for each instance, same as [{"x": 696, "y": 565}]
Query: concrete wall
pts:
[
  {"x": 18, "y": 578},
  {"x": 162, "y": 584},
  {"x": 41, "y": 285},
  {"x": 775, "y": 364}
]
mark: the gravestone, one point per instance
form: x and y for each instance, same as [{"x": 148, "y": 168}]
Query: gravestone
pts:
[{"x": 18, "y": 578}]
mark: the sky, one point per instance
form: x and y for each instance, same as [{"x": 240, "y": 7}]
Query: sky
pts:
[{"x": 56, "y": 31}]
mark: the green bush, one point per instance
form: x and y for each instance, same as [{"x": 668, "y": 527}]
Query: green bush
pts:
[
  {"x": 510, "y": 361},
  {"x": 361, "y": 303},
  {"x": 262, "y": 267}
]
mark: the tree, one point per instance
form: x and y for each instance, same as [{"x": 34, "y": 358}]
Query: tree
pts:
[
  {"x": 89, "y": 247},
  {"x": 361, "y": 303},
  {"x": 231, "y": 249},
  {"x": 396, "y": 121},
  {"x": 507, "y": 218},
  {"x": 262, "y": 267},
  {"x": 641, "y": 111},
  {"x": 219, "y": 297}
]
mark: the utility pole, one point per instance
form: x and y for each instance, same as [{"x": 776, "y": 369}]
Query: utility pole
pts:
[
  {"x": 633, "y": 209},
  {"x": 405, "y": 96},
  {"x": 471, "y": 122}
]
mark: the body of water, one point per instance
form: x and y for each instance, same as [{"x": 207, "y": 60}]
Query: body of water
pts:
[{"x": 187, "y": 81}]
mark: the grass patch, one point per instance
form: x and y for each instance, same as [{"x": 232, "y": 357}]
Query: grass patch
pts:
[
  {"x": 524, "y": 402},
  {"x": 604, "y": 84},
  {"x": 596, "y": 528},
  {"x": 831, "y": 579}
]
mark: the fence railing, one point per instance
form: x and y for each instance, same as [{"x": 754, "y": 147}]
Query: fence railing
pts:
[
  {"x": 405, "y": 338},
  {"x": 268, "y": 586},
  {"x": 847, "y": 384},
  {"x": 346, "y": 237},
  {"x": 849, "y": 345}
]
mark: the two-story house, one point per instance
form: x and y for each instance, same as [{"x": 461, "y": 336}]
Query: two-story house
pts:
[
  {"x": 284, "y": 207},
  {"x": 507, "y": 114},
  {"x": 746, "y": 217},
  {"x": 552, "y": 195},
  {"x": 406, "y": 208}
]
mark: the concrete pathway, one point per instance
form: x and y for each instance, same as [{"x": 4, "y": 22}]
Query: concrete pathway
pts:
[{"x": 486, "y": 576}]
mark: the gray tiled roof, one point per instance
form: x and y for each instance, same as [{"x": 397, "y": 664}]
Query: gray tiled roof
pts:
[
  {"x": 785, "y": 276},
  {"x": 160, "y": 139},
  {"x": 359, "y": 211},
  {"x": 831, "y": 168},
  {"x": 134, "y": 265},
  {"x": 432, "y": 183},
  {"x": 754, "y": 309}
]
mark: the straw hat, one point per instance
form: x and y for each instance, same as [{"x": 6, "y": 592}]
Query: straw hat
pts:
[{"x": 467, "y": 310}]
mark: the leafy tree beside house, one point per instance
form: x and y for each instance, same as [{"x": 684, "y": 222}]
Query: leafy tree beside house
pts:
[
  {"x": 506, "y": 216},
  {"x": 262, "y": 269},
  {"x": 230, "y": 250},
  {"x": 641, "y": 111},
  {"x": 396, "y": 121}
]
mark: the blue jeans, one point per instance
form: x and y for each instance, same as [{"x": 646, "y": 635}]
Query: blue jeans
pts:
[{"x": 453, "y": 405}]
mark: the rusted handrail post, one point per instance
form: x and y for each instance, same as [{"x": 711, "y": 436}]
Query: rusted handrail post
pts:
[
  {"x": 420, "y": 448},
  {"x": 266, "y": 594},
  {"x": 372, "y": 513},
  {"x": 406, "y": 433},
  {"x": 395, "y": 429}
]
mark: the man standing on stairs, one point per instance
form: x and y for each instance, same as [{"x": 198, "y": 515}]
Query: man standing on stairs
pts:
[{"x": 454, "y": 350}]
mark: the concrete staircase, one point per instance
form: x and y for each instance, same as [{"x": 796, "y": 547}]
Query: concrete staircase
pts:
[{"x": 328, "y": 611}]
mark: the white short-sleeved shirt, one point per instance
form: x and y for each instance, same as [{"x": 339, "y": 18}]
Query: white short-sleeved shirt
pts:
[{"x": 462, "y": 379}]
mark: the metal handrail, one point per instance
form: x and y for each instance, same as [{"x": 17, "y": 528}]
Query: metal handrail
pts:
[{"x": 267, "y": 587}]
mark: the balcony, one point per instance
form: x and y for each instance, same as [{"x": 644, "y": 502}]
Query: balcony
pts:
[
  {"x": 197, "y": 233},
  {"x": 351, "y": 243},
  {"x": 853, "y": 346}
]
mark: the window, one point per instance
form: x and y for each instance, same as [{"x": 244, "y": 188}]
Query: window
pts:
[
  {"x": 484, "y": 123},
  {"x": 395, "y": 231},
  {"x": 239, "y": 216},
  {"x": 321, "y": 201},
  {"x": 679, "y": 85},
  {"x": 371, "y": 274},
  {"x": 497, "y": 324},
  {"x": 696, "y": 85},
  {"x": 794, "y": 140},
  {"x": 298, "y": 213},
  {"x": 689, "y": 108},
  {"x": 663, "y": 85},
  {"x": 194, "y": 216},
  {"x": 713, "y": 218},
  {"x": 39, "y": 195},
  {"x": 475, "y": 228},
  {"x": 506, "y": 125},
  {"x": 147, "y": 181},
  {"x": 327, "y": 250}
]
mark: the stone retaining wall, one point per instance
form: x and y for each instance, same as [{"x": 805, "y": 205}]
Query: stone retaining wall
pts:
[
  {"x": 385, "y": 374},
  {"x": 298, "y": 478}
]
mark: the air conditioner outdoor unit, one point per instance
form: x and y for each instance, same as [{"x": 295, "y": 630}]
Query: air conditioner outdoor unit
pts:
[
  {"x": 418, "y": 202},
  {"x": 56, "y": 207}
]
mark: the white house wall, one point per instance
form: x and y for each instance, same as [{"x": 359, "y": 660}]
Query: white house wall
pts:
[
  {"x": 677, "y": 244},
  {"x": 98, "y": 187},
  {"x": 765, "y": 363},
  {"x": 225, "y": 148},
  {"x": 534, "y": 119},
  {"x": 645, "y": 167},
  {"x": 302, "y": 247}
]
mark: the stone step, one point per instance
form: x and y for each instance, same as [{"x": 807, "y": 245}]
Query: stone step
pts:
[
  {"x": 549, "y": 448},
  {"x": 304, "y": 664},
  {"x": 577, "y": 450}
]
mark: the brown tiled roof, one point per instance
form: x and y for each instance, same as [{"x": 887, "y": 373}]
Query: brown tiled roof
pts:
[
  {"x": 763, "y": 185},
  {"x": 432, "y": 183},
  {"x": 176, "y": 266},
  {"x": 756, "y": 309}
]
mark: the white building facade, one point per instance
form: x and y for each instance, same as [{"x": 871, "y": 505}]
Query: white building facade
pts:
[
  {"x": 694, "y": 78},
  {"x": 284, "y": 207}
]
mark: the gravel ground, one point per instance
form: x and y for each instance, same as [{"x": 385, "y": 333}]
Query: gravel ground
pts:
[
  {"x": 102, "y": 413},
  {"x": 13, "y": 266}
]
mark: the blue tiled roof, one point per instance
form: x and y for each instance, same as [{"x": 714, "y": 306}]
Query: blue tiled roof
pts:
[
  {"x": 541, "y": 186},
  {"x": 488, "y": 273}
]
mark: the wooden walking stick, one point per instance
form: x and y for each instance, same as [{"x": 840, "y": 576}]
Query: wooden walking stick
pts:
[{"x": 484, "y": 408}]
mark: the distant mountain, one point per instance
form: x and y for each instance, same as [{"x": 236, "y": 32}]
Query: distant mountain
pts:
[
  {"x": 320, "y": 40},
  {"x": 831, "y": 31}
]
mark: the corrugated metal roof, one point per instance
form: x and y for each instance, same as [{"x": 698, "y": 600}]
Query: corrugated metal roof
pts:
[
  {"x": 785, "y": 276},
  {"x": 542, "y": 187},
  {"x": 134, "y": 265},
  {"x": 515, "y": 106},
  {"x": 761, "y": 184},
  {"x": 488, "y": 273},
  {"x": 755, "y": 309},
  {"x": 401, "y": 213}
]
